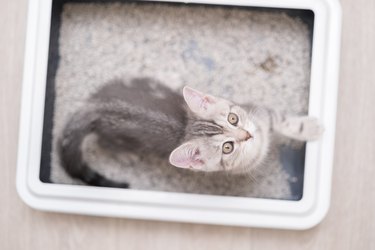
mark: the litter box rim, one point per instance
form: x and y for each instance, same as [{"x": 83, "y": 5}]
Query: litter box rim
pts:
[{"x": 156, "y": 205}]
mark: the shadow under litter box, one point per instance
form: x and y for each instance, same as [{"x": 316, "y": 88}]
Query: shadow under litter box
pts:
[{"x": 242, "y": 54}]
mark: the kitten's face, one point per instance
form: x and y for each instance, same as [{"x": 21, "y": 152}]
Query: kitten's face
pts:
[{"x": 228, "y": 139}]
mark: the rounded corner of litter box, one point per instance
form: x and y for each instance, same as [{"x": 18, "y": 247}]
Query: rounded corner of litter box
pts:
[
  {"x": 26, "y": 195},
  {"x": 315, "y": 215}
]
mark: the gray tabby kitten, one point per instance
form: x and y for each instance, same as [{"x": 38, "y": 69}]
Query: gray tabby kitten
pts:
[{"x": 196, "y": 130}]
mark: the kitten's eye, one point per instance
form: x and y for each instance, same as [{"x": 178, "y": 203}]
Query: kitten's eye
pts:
[
  {"x": 228, "y": 147},
  {"x": 233, "y": 119}
]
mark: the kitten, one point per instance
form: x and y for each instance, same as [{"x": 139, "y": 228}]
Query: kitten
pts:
[{"x": 196, "y": 130}]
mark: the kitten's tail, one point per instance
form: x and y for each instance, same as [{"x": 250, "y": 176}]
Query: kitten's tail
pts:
[{"x": 69, "y": 147}]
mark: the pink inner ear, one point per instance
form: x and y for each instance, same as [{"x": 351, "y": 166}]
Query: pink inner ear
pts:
[
  {"x": 196, "y": 100},
  {"x": 186, "y": 156}
]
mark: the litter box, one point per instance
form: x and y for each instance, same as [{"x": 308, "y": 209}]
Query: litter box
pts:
[{"x": 283, "y": 54}]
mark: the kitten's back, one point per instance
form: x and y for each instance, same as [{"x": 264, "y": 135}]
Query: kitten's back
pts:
[{"x": 142, "y": 113}]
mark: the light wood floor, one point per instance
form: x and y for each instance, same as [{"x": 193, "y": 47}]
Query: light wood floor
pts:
[{"x": 350, "y": 223}]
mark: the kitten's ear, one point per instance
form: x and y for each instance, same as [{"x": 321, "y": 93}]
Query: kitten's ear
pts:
[
  {"x": 198, "y": 102},
  {"x": 187, "y": 156}
]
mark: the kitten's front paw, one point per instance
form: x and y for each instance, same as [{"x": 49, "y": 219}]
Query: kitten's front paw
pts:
[
  {"x": 304, "y": 128},
  {"x": 310, "y": 128}
]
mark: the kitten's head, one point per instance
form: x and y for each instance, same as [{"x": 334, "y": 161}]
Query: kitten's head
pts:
[{"x": 224, "y": 136}]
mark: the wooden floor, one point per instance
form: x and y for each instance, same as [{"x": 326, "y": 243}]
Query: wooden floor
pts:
[{"x": 350, "y": 223}]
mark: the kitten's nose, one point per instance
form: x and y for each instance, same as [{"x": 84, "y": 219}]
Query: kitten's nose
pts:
[
  {"x": 241, "y": 134},
  {"x": 248, "y": 136}
]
